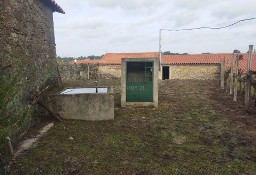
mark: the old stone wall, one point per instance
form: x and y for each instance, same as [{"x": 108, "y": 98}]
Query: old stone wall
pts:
[
  {"x": 27, "y": 60},
  {"x": 109, "y": 71},
  {"x": 191, "y": 71},
  {"x": 70, "y": 72},
  {"x": 27, "y": 40},
  {"x": 195, "y": 71}
]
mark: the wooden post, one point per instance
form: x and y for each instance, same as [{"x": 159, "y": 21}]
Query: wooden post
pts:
[
  {"x": 232, "y": 76},
  {"x": 236, "y": 77},
  {"x": 10, "y": 145},
  {"x": 228, "y": 82},
  {"x": 222, "y": 73},
  {"x": 88, "y": 72},
  {"x": 247, "y": 91},
  {"x": 248, "y": 82}
]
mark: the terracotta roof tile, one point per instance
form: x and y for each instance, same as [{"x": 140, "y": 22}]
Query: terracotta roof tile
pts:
[
  {"x": 115, "y": 58},
  {"x": 192, "y": 59},
  {"x": 243, "y": 62},
  {"x": 55, "y": 7},
  {"x": 208, "y": 59}
]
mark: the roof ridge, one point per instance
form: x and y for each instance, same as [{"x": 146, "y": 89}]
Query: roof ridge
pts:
[
  {"x": 55, "y": 6},
  {"x": 130, "y": 52}
]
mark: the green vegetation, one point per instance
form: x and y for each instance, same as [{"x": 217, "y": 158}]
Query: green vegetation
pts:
[
  {"x": 68, "y": 59},
  {"x": 20, "y": 84},
  {"x": 187, "y": 134},
  {"x": 13, "y": 116}
]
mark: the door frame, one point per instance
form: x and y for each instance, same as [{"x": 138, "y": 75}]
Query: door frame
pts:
[{"x": 155, "y": 82}]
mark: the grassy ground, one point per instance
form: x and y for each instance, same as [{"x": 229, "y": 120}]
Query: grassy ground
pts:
[{"x": 196, "y": 130}]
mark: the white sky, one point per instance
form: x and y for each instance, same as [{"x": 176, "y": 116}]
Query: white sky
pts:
[{"x": 95, "y": 27}]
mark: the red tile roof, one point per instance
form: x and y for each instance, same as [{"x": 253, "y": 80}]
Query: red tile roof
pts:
[
  {"x": 54, "y": 6},
  {"x": 192, "y": 59},
  {"x": 86, "y": 61},
  {"x": 115, "y": 58},
  {"x": 208, "y": 59},
  {"x": 243, "y": 62}
]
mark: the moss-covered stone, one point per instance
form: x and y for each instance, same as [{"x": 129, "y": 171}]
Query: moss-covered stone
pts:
[{"x": 27, "y": 64}]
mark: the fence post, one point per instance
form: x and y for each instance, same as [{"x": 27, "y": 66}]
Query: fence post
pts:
[
  {"x": 222, "y": 72},
  {"x": 232, "y": 76},
  {"x": 228, "y": 82},
  {"x": 236, "y": 77},
  {"x": 88, "y": 72},
  {"x": 248, "y": 83}
]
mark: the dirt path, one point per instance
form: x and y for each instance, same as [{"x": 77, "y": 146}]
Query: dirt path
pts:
[{"x": 28, "y": 143}]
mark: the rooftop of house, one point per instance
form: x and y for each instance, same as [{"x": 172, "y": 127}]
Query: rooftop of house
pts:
[
  {"x": 208, "y": 59},
  {"x": 192, "y": 59},
  {"x": 216, "y": 58},
  {"x": 115, "y": 58},
  {"x": 54, "y": 6}
]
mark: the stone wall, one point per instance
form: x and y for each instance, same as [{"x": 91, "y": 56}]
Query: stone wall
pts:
[
  {"x": 27, "y": 60},
  {"x": 71, "y": 72},
  {"x": 109, "y": 71},
  {"x": 195, "y": 71},
  {"x": 27, "y": 40},
  {"x": 191, "y": 71}
]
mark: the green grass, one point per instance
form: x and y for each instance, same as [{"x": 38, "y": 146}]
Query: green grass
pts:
[{"x": 191, "y": 139}]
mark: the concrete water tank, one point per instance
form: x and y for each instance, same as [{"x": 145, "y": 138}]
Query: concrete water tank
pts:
[{"x": 83, "y": 103}]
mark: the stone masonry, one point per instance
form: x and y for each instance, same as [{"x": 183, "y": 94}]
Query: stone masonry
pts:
[
  {"x": 109, "y": 71},
  {"x": 71, "y": 72},
  {"x": 196, "y": 72},
  {"x": 27, "y": 40},
  {"x": 27, "y": 60}
]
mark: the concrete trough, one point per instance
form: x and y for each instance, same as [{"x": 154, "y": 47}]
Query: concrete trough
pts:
[{"x": 83, "y": 103}]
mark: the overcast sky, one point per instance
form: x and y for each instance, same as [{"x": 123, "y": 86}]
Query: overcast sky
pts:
[{"x": 95, "y": 27}]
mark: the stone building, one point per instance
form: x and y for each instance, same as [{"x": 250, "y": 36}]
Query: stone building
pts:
[
  {"x": 110, "y": 63},
  {"x": 27, "y": 38},
  {"x": 196, "y": 66},
  {"x": 179, "y": 66},
  {"x": 199, "y": 66},
  {"x": 191, "y": 66},
  {"x": 27, "y": 59},
  {"x": 109, "y": 66}
]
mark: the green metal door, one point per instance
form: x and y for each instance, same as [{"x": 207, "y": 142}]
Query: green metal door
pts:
[{"x": 139, "y": 82}]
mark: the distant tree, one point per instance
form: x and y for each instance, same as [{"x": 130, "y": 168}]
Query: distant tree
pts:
[
  {"x": 82, "y": 58},
  {"x": 93, "y": 57},
  {"x": 68, "y": 59},
  {"x": 236, "y": 51},
  {"x": 65, "y": 59},
  {"x": 166, "y": 53},
  {"x": 170, "y": 53}
]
